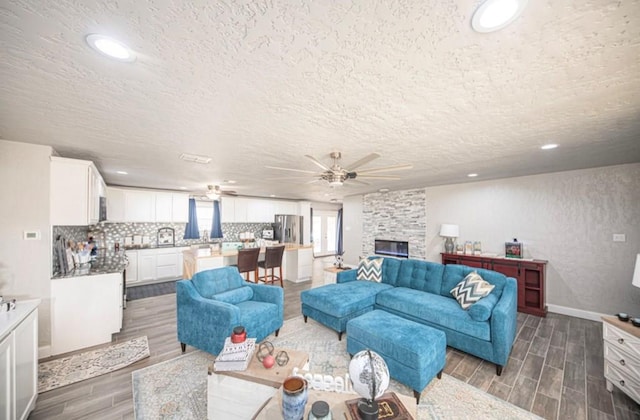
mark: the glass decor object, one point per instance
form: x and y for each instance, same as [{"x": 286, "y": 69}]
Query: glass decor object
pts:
[{"x": 264, "y": 349}]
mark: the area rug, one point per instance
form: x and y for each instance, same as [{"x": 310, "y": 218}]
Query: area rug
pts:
[
  {"x": 177, "y": 388},
  {"x": 78, "y": 367}
]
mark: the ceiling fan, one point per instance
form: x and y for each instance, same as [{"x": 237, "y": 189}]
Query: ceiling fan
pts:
[
  {"x": 336, "y": 175},
  {"x": 214, "y": 193}
]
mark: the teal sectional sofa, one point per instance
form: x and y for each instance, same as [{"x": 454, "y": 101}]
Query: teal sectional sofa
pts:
[{"x": 420, "y": 291}]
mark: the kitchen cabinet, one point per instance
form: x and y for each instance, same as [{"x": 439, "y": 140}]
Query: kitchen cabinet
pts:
[
  {"x": 19, "y": 360},
  {"x": 530, "y": 275},
  {"x": 298, "y": 264},
  {"x": 134, "y": 205},
  {"x": 132, "y": 267},
  {"x": 147, "y": 263},
  {"x": 86, "y": 311},
  {"x": 154, "y": 265},
  {"x": 76, "y": 188},
  {"x": 254, "y": 210}
]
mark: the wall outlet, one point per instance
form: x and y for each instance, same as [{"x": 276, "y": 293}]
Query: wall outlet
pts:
[{"x": 619, "y": 237}]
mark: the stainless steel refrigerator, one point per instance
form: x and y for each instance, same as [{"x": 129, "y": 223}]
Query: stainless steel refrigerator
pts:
[{"x": 288, "y": 228}]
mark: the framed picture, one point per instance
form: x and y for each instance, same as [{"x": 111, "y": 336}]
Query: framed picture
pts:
[
  {"x": 459, "y": 249},
  {"x": 477, "y": 248},
  {"x": 513, "y": 249}
]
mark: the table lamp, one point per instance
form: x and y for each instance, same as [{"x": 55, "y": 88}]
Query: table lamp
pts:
[{"x": 449, "y": 232}]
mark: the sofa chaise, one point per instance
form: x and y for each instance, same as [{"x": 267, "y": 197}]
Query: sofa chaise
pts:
[{"x": 420, "y": 291}]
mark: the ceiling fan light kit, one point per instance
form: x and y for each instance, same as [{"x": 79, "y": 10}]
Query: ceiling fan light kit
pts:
[{"x": 336, "y": 175}]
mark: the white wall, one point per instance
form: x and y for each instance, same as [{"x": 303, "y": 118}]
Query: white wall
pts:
[
  {"x": 25, "y": 265},
  {"x": 352, "y": 229},
  {"x": 567, "y": 218}
]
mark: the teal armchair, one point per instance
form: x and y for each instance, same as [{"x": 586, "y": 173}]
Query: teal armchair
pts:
[{"x": 214, "y": 301}]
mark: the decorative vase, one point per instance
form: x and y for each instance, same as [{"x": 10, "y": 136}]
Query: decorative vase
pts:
[{"x": 294, "y": 398}]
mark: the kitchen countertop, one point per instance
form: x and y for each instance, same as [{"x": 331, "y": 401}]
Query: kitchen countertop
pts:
[
  {"x": 234, "y": 252},
  {"x": 105, "y": 262}
]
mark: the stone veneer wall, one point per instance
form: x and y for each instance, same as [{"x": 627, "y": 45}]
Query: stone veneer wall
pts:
[{"x": 396, "y": 216}]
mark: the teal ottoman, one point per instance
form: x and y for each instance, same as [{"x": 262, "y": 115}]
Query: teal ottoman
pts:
[{"x": 414, "y": 352}]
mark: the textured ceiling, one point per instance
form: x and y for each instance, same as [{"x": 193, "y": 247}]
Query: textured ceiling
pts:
[{"x": 262, "y": 83}]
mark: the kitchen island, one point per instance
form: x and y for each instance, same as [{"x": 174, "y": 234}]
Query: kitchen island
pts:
[{"x": 297, "y": 261}]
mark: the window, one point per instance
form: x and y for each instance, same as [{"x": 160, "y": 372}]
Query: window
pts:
[{"x": 204, "y": 211}]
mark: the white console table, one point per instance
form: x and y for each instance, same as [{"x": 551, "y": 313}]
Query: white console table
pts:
[
  {"x": 19, "y": 360},
  {"x": 622, "y": 356}
]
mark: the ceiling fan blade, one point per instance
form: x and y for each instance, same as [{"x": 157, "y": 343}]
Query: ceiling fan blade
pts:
[
  {"x": 379, "y": 177},
  {"x": 363, "y": 161},
  {"x": 355, "y": 181},
  {"x": 317, "y": 162},
  {"x": 304, "y": 171},
  {"x": 384, "y": 169}
]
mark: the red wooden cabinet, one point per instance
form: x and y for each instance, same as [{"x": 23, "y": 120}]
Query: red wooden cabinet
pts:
[{"x": 530, "y": 275}]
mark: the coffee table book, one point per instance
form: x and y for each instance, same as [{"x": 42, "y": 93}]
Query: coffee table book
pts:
[
  {"x": 235, "y": 356},
  {"x": 389, "y": 408}
]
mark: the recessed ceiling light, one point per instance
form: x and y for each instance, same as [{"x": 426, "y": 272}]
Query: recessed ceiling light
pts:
[
  {"x": 110, "y": 47},
  {"x": 383, "y": 190},
  {"x": 122, "y": 172},
  {"x": 472, "y": 175},
  {"x": 272, "y": 195},
  {"x": 493, "y": 15},
  {"x": 229, "y": 181},
  {"x": 183, "y": 188},
  {"x": 549, "y": 146}
]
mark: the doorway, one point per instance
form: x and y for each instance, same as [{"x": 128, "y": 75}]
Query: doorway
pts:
[{"x": 324, "y": 232}]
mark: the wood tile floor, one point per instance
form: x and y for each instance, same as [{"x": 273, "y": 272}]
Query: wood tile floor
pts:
[{"x": 555, "y": 369}]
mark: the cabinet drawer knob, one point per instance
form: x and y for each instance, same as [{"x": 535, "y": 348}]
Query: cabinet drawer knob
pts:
[
  {"x": 622, "y": 383},
  {"x": 621, "y": 340},
  {"x": 622, "y": 362}
]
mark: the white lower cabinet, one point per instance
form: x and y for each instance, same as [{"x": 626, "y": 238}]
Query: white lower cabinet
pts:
[
  {"x": 131, "y": 272},
  {"x": 19, "y": 361},
  {"x": 157, "y": 264},
  {"x": 86, "y": 311},
  {"x": 298, "y": 264}
]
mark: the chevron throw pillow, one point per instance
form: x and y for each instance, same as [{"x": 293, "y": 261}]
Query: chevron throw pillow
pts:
[
  {"x": 370, "y": 270},
  {"x": 471, "y": 289}
]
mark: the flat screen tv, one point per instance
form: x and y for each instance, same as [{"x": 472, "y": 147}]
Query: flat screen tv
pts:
[{"x": 398, "y": 249}]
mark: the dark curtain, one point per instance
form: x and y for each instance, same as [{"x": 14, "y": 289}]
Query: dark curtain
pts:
[
  {"x": 339, "y": 246},
  {"x": 191, "y": 230},
  {"x": 216, "y": 227}
]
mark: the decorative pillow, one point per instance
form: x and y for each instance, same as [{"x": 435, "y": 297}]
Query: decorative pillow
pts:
[
  {"x": 482, "y": 309},
  {"x": 235, "y": 296},
  {"x": 471, "y": 289},
  {"x": 370, "y": 270}
]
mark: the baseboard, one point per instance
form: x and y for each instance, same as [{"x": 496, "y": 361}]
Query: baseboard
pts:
[
  {"x": 578, "y": 313},
  {"x": 44, "y": 351}
]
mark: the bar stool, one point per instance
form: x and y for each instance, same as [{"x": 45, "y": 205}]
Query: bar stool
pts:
[
  {"x": 248, "y": 262},
  {"x": 272, "y": 260}
]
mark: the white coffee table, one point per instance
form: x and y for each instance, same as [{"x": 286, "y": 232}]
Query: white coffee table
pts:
[{"x": 234, "y": 398}]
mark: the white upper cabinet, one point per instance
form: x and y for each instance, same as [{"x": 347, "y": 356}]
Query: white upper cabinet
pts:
[
  {"x": 254, "y": 210},
  {"x": 139, "y": 206},
  {"x": 131, "y": 205},
  {"x": 164, "y": 207},
  {"x": 76, "y": 187},
  {"x": 180, "y": 203}
]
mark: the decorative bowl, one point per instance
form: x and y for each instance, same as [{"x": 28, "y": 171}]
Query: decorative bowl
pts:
[
  {"x": 623, "y": 317},
  {"x": 635, "y": 322}
]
